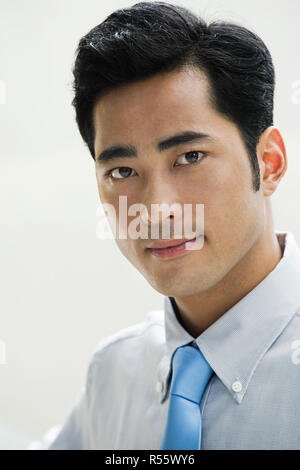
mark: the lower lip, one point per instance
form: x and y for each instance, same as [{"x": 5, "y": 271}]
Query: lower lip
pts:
[{"x": 172, "y": 251}]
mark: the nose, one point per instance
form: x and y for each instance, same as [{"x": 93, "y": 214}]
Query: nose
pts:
[
  {"x": 161, "y": 205},
  {"x": 159, "y": 213}
]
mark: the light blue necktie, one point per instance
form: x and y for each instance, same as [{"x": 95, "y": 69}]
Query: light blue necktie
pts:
[{"x": 190, "y": 375}]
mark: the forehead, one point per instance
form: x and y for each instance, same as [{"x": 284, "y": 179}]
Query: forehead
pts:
[{"x": 155, "y": 107}]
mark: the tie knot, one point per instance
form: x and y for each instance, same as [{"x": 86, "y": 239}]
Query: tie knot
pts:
[{"x": 190, "y": 373}]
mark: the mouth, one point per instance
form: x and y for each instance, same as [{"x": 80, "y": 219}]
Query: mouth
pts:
[
  {"x": 172, "y": 248},
  {"x": 162, "y": 244}
]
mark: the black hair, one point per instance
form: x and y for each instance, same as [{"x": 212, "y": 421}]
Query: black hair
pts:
[{"x": 149, "y": 38}]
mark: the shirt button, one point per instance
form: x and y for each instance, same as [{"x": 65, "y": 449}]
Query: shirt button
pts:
[
  {"x": 236, "y": 386},
  {"x": 159, "y": 387}
]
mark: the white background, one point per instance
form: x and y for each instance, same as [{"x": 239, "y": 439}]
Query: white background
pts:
[{"x": 62, "y": 289}]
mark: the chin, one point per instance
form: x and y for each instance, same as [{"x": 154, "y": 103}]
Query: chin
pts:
[{"x": 182, "y": 290}]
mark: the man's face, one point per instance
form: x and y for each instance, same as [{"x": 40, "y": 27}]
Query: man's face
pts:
[{"x": 146, "y": 112}]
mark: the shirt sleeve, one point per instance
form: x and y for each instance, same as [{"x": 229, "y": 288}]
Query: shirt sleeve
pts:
[{"x": 74, "y": 434}]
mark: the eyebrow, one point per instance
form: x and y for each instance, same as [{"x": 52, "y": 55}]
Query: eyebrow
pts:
[{"x": 125, "y": 151}]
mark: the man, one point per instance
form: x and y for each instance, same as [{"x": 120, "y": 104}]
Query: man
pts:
[{"x": 175, "y": 111}]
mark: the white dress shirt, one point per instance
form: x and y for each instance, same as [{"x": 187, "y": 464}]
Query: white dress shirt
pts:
[{"x": 252, "y": 400}]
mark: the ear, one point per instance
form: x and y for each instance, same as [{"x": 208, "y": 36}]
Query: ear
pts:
[{"x": 271, "y": 154}]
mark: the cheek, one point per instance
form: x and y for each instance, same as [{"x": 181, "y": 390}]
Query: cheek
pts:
[
  {"x": 129, "y": 249},
  {"x": 125, "y": 248},
  {"x": 230, "y": 204}
]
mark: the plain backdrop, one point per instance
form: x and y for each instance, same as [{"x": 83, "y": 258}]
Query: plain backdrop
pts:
[{"x": 63, "y": 289}]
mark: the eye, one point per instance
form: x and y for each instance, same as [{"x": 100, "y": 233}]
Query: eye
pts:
[
  {"x": 124, "y": 171},
  {"x": 192, "y": 157}
]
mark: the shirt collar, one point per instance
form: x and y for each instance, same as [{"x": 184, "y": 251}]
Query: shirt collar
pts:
[{"x": 235, "y": 343}]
